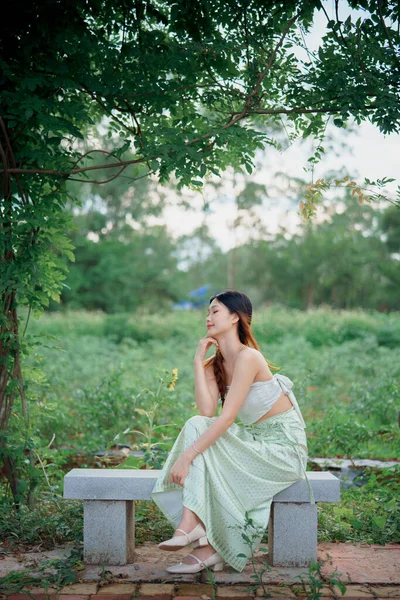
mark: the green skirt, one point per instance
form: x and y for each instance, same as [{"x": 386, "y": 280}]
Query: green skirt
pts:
[{"x": 231, "y": 485}]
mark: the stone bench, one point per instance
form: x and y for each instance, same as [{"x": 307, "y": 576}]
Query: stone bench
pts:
[{"x": 109, "y": 514}]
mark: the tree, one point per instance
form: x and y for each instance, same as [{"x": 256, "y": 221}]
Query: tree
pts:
[
  {"x": 120, "y": 272},
  {"x": 184, "y": 86}
]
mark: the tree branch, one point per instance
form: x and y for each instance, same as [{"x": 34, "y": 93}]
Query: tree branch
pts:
[
  {"x": 387, "y": 31},
  {"x": 106, "y": 110},
  {"x": 12, "y": 159},
  {"x": 232, "y": 122},
  {"x": 238, "y": 116}
]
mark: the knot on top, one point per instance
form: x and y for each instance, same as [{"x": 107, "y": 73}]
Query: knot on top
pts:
[{"x": 285, "y": 383}]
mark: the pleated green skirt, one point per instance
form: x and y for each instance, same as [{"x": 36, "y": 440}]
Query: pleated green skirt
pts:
[{"x": 231, "y": 485}]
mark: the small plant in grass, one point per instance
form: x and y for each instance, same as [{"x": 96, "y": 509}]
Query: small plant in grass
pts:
[
  {"x": 51, "y": 573},
  {"x": 154, "y": 454},
  {"x": 369, "y": 514},
  {"x": 312, "y": 586}
]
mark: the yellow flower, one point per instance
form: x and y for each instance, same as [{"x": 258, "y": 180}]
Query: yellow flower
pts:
[{"x": 174, "y": 379}]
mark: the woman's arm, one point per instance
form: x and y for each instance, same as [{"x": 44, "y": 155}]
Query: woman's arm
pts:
[
  {"x": 206, "y": 392},
  {"x": 246, "y": 368}
]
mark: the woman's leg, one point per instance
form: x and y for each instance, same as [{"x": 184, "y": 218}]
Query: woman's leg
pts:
[{"x": 188, "y": 522}]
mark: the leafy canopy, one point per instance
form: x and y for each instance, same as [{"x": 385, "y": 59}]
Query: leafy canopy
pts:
[{"x": 190, "y": 87}]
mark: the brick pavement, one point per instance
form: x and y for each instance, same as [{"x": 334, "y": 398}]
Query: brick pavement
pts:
[
  {"x": 158, "y": 591},
  {"x": 368, "y": 571}
]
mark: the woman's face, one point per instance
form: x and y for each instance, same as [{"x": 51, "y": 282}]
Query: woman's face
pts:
[{"x": 219, "y": 318}]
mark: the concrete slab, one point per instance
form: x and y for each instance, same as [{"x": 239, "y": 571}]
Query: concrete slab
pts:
[
  {"x": 151, "y": 563},
  {"x": 131, "y": 484}
]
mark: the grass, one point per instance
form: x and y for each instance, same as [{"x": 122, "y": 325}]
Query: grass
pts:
[{"x": 101, "y": 377}]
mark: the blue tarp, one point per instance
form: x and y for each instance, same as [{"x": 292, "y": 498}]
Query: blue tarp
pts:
[
  {"x": 200, "y": 291},
  {"x": 200, "y": 298}
]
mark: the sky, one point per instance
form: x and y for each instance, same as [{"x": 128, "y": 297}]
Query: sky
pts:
[{"x": 369, "y": 153}]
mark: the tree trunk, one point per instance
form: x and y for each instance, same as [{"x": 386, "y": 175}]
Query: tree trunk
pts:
[
  {"x": 10, "y": 365},
  {"x": 310, "y": 296}
]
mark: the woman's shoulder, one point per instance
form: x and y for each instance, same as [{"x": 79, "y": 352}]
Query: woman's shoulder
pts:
[
  {"x": 252, "y": 354},
  {"x": 255, "y": 357}
]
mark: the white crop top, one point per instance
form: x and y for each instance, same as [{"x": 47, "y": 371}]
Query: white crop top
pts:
[{"x": 263, "y": 395}]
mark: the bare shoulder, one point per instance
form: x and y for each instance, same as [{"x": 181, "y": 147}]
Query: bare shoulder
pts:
[
  {"x": 255, "y": 358},
  {"x": 252, "y": 355}
]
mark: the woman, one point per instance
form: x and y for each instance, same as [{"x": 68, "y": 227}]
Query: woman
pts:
[{"x": 221, "y": 475}]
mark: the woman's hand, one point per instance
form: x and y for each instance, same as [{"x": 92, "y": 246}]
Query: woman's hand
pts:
[
  {"x": 180, "y": 470},
  {"x": 203, "y": 346}
]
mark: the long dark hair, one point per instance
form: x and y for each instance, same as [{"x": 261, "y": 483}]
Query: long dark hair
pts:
[{"x": 239, "y": 303}]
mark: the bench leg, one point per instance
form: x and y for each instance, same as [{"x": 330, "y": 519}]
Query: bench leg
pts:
[
  {"x": 108, "y": 531},
  {"x": 292, "y": 534}
]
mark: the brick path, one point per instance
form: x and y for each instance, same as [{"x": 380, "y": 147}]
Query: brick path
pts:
[
  {"x": 190, "y": 591},
  {"x": 368, "y": 571}
]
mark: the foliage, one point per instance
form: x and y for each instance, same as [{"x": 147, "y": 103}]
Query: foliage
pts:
[
  {"x": 188, "y": 89},
  {"x": 122, "y": 272},
  {"x": 89, "y": 376},
  {"x": 343, "y": 261},
  {"x": 148, "y": 71},
  {"x": 369, "y": 514},
  {"x": 49, "y": 524},
  {"x": 347, "y": 260},
  {"x": 50, "y": 573},
  {"x": 215, "y": 66},
  {"x": 349, "y": 379}
]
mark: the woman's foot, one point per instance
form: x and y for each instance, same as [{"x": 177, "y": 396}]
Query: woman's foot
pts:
[
  {"x": 198, "y": 560},
  {"x": 188, "y": 523},
  {"x": 202, "y": 553}
]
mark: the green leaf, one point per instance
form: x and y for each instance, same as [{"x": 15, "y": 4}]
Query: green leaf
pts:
[
  {"x": 379, "y": 522},
  {"x": 356, "y": 523},
  {"x": 118, "y": 153}
]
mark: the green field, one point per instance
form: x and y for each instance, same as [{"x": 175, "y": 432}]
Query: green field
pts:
[{"x": 96, "y": 378}]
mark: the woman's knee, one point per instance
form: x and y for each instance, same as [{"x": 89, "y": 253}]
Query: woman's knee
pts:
[
  {"x": 199, "y": 422},
  {"x": 197, "y": 418}
]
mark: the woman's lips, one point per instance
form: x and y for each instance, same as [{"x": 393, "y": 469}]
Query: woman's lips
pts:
[{"x": 208, "y": 326}]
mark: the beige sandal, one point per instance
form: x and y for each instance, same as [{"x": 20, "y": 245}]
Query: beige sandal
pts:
[
  {"x": 197, "y": 535},
  {"x": 215, "y": 561}
]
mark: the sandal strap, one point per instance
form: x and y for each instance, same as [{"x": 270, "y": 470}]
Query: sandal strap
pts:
[
  {"x": 187, "y": 537},
  {"x": 196, "y": 557}
]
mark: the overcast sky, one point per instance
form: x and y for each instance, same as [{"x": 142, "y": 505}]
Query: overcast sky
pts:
[{"x": 370, "y": 154}]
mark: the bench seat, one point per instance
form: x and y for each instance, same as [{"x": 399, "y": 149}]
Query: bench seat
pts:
[{"x": 109, "y": 514}]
